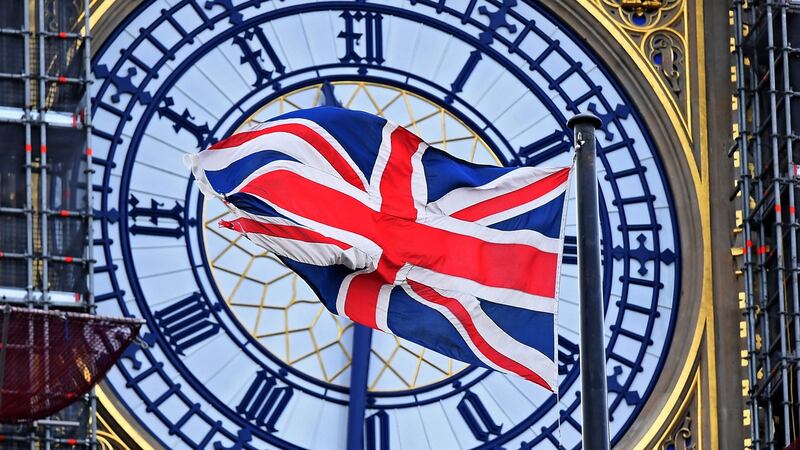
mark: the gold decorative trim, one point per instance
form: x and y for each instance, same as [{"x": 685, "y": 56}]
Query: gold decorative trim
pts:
[
  {"x": 685, "y": 430},
  {"x": 110, "y": 419},
  {"x": 660, "y": 31},
  {"x": 703, "y": 344},
  {"x": 672, "y": 17},
  {"x": 107, "y": 438}
]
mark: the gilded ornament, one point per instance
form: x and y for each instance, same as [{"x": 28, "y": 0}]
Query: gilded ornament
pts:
[
  {"x": 681, "y": 438},
  {"x": 665, "y": 49},
  {"x": 659, "y": 29},
  {"x": 641, "y": 6}
]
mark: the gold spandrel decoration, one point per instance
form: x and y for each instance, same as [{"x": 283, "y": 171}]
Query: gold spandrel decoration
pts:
[
  {"x": 643, "y": 15},
  {"x": 279, "y": 309},
  {"x": 667, "y": 48},
  {"x": 107, "y": 438},
  {"x": 682, "y": 437},
  {"x": 684, "y": 431},
  {"x": 641, "y": 6},
  {"x": 659, "y": 28}
]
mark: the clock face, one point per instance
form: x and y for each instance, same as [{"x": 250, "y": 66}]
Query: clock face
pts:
[{"x": 238, "y": 352}]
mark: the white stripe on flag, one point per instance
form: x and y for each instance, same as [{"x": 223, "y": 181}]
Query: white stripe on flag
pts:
[
  {"x": 499, "y": 295},
  {"x": 461, "y": 198},
  {"x": 502, "y": 342}
]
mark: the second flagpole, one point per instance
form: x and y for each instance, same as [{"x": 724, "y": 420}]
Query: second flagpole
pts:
[{"x": 594, "y": 391}]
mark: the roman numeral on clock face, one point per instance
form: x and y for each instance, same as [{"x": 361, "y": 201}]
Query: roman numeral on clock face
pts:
[
  {"x": 377, "y": 431},
  {"x": 552, "y": 145},
  {"x": 477, "y": 417},
  {"x": 372, "y": 36},
  {"x": 570, "y": 254},
  {"x": 264, "y": 401},
  {"x": 187, "y": 322},
  {"x": 253, "y": 56},
  {"x": 155, "y": 219}
]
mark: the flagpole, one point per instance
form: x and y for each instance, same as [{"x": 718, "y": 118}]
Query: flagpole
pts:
[{"x": 592, "y": 345}]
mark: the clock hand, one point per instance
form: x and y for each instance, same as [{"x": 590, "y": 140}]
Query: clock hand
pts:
[
  {"x": 359, "y": 377},
  {"x": 328, "y": 96}
]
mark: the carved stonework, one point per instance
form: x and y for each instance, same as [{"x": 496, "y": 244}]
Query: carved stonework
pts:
[
  {"x": 642, "y": 16},
  {"x": 659, "y": 29},
  {"x": 666, "y": 50},
  {"x": 641, "y": 6},
  {"x": 682, "y": 432},
  {"x": 682, "y": 437}
]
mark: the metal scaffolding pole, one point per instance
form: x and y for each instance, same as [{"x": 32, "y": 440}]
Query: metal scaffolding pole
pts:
[
  {"x": 89, "y": 252},
  {"x": 776, "y": 192},
  {"x": 744, "y": 188},
  {"x": 762, "y": 288},
  {"x": 788, "y": 94},
  {"x": 53, "y": 84},
  {"x": 765, "y": 66},
  {"x": 28, "y": 118}
]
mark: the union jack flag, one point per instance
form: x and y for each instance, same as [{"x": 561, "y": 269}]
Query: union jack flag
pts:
[{"x": 400, "y": 236}]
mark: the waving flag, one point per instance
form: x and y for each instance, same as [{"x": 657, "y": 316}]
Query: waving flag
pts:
[{"x": 400, "y": 236}]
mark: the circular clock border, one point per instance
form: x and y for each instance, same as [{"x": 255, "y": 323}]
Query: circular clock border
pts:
[{"x": 662, "y": 157}]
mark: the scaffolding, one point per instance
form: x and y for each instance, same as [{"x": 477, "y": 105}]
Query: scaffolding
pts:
[
  {"x": 766, "y": 72},
  {"x": 46, "y": 231}
]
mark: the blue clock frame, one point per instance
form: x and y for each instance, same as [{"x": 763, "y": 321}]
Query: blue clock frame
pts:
[{"x": 367, "y": 68}]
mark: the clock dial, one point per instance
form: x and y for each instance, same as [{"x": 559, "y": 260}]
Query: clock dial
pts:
[{"x": 239, "y": 352}]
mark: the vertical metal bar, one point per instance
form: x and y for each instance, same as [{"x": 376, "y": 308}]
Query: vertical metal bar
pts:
[
  {"x": 779, "y": 258},
  {"x": 48, "y": 436},
  {"x": 29, "y": 207},
  {"x": 87, "y": 127},
  {"x": 792, "y": 227},
  {"x": 28, "y": 153},
  {"x": 761, "y": 312},
  {"x": 594, "y": 390},
  {"x": 43, "y": 204},
  {"x": 89, "y": 253},
  {"x": 43, "y": 191},
  {"x": 744, "y": 180},
  {"x": 4, "y": 343},
  {"x": 359, "y": 379},
  {"x": 29, "y": 182}
]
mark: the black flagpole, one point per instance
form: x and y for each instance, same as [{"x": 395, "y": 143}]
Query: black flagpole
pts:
[{"x": 592, "y": 348}]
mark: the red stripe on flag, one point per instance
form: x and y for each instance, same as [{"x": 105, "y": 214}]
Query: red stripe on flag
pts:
[
  {"x": 458, "y": 310},
  {"x": 244, "y": 225},
  {"x": 512, "y": 199},
  {"x": 305, "y": 133},
  {"x": 395, "y": 187},
  {"x": 361, "y": 303},
  {"x": 404, "y": 240}
]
